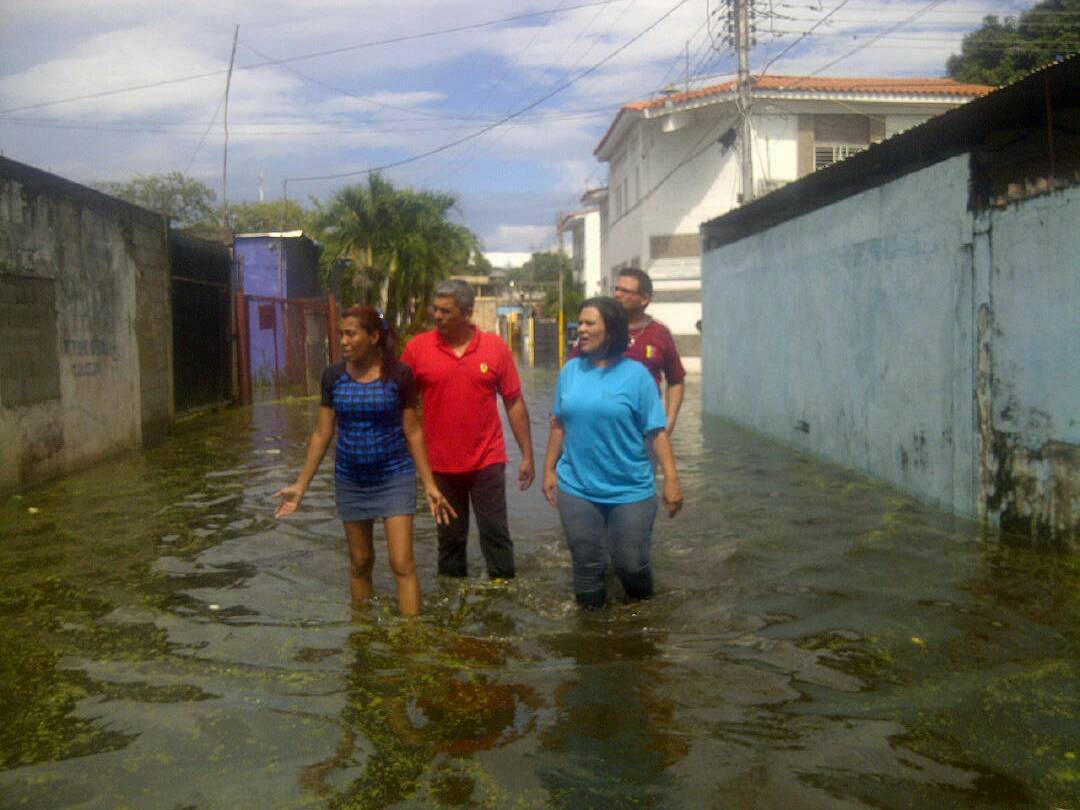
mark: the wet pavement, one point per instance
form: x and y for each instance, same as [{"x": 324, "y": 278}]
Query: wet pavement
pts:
[{"x": 819, "y": 640}]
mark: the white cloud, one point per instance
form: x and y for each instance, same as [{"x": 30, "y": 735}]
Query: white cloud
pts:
[
  {"x": 397, "y": 100},
  {"x": 506, "y": 259},
  {"x": 521, "y": 237}
]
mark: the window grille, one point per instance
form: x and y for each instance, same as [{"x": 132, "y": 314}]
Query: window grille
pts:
[{"x": 828, "y": 155}]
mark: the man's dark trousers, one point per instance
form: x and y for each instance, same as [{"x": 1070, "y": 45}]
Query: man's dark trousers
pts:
[{"x": 486, "y": 488}]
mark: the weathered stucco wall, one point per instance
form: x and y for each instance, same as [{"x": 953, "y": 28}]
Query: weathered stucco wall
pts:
[
  {"x": 1033, "y": 461},
  {"x": 843, "y": 332},
  {"x": 85, "y": 326},
  {"x": 897, "y": 333}
]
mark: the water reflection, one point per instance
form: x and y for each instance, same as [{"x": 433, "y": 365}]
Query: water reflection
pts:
[
  {"x": 612, "y": 740},
  {"x": 818, "y": 640}
]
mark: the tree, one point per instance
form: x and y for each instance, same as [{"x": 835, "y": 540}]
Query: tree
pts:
[
  {"x": 186, "y": 201},
  {"x": 542, "y": 270},
  {"x": 393, "y": 246},
  {"x": 276, "y": 215},
  {"x": 545, "y": 267},
  {"x": 573, "y": 296},
  {"x": 479, "y": 265},
  {"x": 1002, "y": 51}
]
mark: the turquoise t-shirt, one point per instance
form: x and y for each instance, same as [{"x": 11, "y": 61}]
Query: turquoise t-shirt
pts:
[{"x": 606, "y": 413}]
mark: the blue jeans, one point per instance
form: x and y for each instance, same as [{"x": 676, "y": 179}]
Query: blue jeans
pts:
[{"x": 596, "y": 530}]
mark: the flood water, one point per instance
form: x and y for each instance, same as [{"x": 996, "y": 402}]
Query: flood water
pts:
[{"x": 819, "y": 640}]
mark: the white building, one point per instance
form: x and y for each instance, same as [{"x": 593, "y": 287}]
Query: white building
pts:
[
  {"x": 584, "y": 229},
  {"x": 674, "y": 163}
]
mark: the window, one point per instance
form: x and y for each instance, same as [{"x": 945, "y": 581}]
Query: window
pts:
[
  {"x": 837, "y": 137},
  {"x": 828, "y": 155},
  {"x": 29, "y": 360}
]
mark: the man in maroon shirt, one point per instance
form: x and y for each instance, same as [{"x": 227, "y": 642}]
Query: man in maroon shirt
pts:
[
  {"x": 460, "y": 372},
  {"x": 651, "y": 342}
]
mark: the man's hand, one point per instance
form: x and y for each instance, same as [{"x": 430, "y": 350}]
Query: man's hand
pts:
[
  {"x": 526, "y": 473},
  {"x": 441, "y": 509}
]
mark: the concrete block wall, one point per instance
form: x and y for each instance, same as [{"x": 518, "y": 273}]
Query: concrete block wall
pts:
[
  {"x": 1033, "y": 428},
  {"x": 841, "y": 332},
  {"x": 153, "y": 329},
  {"x": 85, "y": 341},
  {"x": 898, "y": 333}
]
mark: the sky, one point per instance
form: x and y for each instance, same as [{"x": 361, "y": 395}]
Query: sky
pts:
[{"x": 510, "y": 98}]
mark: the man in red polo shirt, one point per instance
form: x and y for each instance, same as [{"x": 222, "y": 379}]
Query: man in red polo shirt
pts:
[{"x": 460, "y": 370}]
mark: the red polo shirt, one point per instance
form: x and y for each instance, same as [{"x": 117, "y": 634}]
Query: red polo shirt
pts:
[{"x": 462, "y": 427}]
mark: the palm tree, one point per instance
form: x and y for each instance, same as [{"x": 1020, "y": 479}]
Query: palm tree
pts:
[{"x": 395, "y": 246}]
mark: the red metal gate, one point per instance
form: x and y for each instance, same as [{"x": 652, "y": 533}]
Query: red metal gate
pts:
[{"x": 283, "y": 345}]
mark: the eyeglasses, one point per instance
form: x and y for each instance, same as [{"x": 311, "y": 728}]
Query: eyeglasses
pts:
[{"x": 624, "y": 291}]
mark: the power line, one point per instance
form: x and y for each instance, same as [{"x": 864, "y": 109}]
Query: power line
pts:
[
  {"x": 937, "y": 24},
  {"x": 706, "y": 41},
  {"x": 301, "y": 57},
  {"x": 984, "y": 42},
  {"x": 344, "y": 92},
  {"x": 973, "y": 13},
  {"x": 692, "y": 154},
  {"x": 868, "y": 43},
  {"x": 283, "y": 129},
  {"x": 143, "y": 125},
  {"x": 507, "y": 118},
  {"x": 470, "y": 156},
  {"x": 202, "y": 140},
  {"x": 786, "y": 50}
]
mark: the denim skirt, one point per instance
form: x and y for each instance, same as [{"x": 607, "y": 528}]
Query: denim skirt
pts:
[{"x": 392, "y": 496}]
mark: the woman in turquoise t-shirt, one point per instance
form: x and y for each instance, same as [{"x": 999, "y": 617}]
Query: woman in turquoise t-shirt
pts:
[{"x": 598, "y": 471}]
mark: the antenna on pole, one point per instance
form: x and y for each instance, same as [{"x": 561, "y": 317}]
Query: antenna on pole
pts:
[{"x": 225, "y": 158}]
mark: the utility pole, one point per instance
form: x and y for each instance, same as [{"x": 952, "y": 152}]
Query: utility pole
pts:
[
  {"x": 742, "y": 47},
  {"x": 561, "y": 324},
  {"x": 225, "y": 158},
  {"x": 686, "y": 86}
]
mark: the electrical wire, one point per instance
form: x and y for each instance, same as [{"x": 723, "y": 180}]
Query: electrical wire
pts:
[
  {"x": 787, "y": 50},
  {"x": 202, "y": 140},
  {"x": 868, "y": 43},
  {"x": 302, "y": 57},
  {"x": 547, "y": 96}
]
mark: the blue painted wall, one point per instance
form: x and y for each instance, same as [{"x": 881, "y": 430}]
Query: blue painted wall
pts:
[
  {"x": 278, "y": 268},
  {"x": 898, "y": 333}
]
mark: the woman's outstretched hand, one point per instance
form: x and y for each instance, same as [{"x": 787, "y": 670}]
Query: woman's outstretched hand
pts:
[
  {"x": 673, "y": 497},
  {"x": 290, "y": 496},
  {"x": 440, "y": 508}
]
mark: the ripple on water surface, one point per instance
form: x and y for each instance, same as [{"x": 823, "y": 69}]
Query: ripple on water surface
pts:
[{"x": 817, "y": 640}]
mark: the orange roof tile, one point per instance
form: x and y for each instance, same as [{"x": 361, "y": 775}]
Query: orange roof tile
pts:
[{"x": 815, "y": 84}]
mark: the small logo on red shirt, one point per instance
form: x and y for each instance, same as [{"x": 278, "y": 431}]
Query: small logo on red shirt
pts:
[{"x": 483, "y": 368}]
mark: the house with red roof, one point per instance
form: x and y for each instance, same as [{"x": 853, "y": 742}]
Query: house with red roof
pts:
[{"x": 674, "y": 162}]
